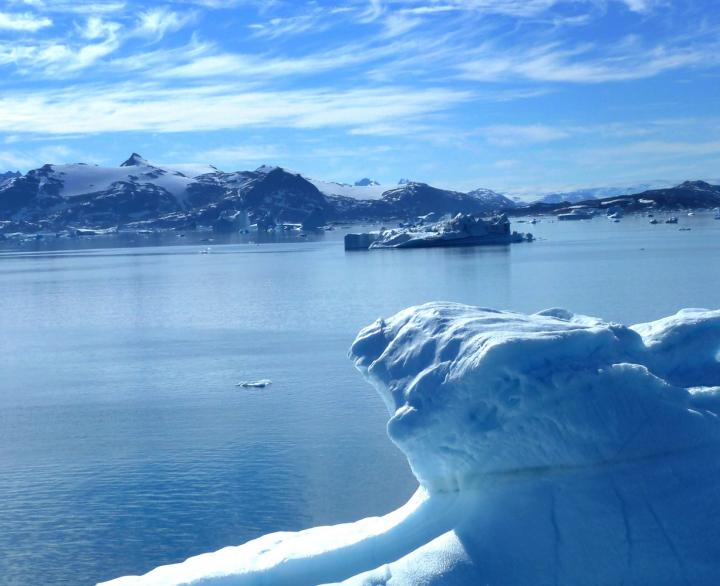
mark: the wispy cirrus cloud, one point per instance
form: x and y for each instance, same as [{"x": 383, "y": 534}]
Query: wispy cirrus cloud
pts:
[
  {"x": 658, "y": 149},
  {"x": 238, "y": 154},
  {"x": 155, "y": 23},
  {"x": 268, "y": 66},
  {"x": 25, "y": 21},
  {"x": 72, "y": 7},
  {"x": 643, "y": 5},
  {"x": 585, "y": 63},
  {"x": 29, "y": 157},
  {"x": 152, "y": 109},
  {"x": 96, "y": 28},
  {"x": 511, "y": 135},
  {"x": 95, "y": 39},
  {"x": 314, "y": 20},
  {"x": 513, "y": 8}
]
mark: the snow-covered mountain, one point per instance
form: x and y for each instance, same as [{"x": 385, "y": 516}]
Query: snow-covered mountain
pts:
[
  {"x": 82, "y": 179},
  {"x": 689, "y": 195},
  {"x": 420, "y": 198},
  {"x": 585, "y": 194},
  {"x": 58, "y": 196},
  {"x": 406, "y": 190},
  {"x": 8, "y": 175},
  {"x": 139, "y": 192},
  {"x": 492, "y": 198}
]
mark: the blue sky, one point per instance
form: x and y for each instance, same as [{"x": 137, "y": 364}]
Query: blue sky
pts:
[{"x": 515, "y": 95}]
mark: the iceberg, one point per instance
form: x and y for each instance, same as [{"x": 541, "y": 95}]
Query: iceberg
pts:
[
  {"x": 255, "y": 384},
  {"x": 550, "y": 448},
  {"x": 460, "y": 230}
]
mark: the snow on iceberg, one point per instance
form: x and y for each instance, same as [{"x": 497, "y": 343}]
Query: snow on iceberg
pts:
[
  {"x": 461, "y": 230},
  {"x": 550, "y": 449}
]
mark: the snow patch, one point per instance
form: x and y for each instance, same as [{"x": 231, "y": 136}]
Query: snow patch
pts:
[{"x": 80, "y": 179}]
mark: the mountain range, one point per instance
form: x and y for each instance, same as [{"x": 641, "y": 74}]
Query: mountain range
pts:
[
  {"x": 689, "y": 195},
  {"x": 140, "y": 195},
  {"x": 587, "y": 193}
]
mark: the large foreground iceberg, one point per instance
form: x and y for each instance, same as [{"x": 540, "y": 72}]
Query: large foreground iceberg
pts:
[{"x": 549, "y": 448}]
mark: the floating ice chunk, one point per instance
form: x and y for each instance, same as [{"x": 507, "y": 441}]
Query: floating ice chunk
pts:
[
  {"x": 550, "y": 449},
  {"x": 461, "y": 230},
  {"x": 255, "y": 384}
]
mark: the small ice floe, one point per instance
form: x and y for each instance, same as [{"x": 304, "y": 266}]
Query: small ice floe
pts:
[{"x": 255, "y": 384}]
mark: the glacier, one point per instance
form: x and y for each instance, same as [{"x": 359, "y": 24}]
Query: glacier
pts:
[{"x": 550, "y": 448}]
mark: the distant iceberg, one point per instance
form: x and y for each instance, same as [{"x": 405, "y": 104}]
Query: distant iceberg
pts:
[
  {"x": 550, "y": 449},
  {"x": 460, "y": 230}
]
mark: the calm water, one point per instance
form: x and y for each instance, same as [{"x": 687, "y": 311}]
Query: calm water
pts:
[{"x": 124, "y": 443}]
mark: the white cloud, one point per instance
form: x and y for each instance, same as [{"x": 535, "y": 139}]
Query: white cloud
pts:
[
  {"x": 511, "y": 135},
  {"x": 293, "y": 25},
  {"x": 372, "y": 12},
  {"x": 221, "y": 4},
  {"x": 146, "y": 108},
  {"x": 658, "y": 149},
  {"x": 96, "y": 39},
  {"x": 253, "y": 66},
  {"x": 400, "y": 23},
  {"x": 513, "y": 8},
  {"x": 96, "y": 28},
  {"x": 13, "y": 160},
  {"x": 73, "y": 6},
  {"x": 432, "y": 9},
  {"x": 642, "y": 5},
  {"x": 505, "y": 164},
  {"x": 238, "y": 154},
  {"x": 161, "y": 59},
  {"x": 157, "y": 22},
  {"x": 23, "y": 22},
  {"x": 31, "y": 158},
  {"x": 552, "y": 63}
]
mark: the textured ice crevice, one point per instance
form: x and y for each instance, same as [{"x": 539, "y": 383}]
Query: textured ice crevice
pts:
[
  {"x": 685, "y": 347},
  {"x": 550, "y": 449}
]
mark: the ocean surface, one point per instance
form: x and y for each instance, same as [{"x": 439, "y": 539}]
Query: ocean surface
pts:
[{"x": 124, "y": 442}]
